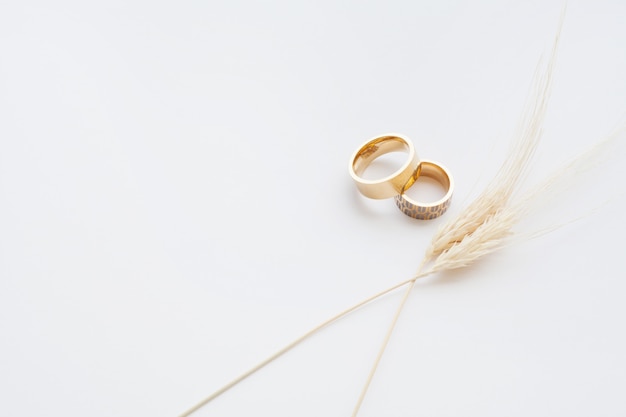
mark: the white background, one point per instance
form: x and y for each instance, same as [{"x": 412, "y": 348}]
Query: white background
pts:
[{"x": 175, "y": 205}]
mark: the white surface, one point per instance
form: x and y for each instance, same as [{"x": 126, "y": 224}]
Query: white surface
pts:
[{"x": 175, "y": 205}]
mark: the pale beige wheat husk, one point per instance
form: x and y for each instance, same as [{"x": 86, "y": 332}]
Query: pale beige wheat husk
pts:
[{"x": 514, "y": 169}]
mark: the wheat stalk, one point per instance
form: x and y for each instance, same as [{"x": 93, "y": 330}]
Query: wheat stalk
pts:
[
  {"x": 484, "y": 226},
  {"x": 492, "y": 234},
  {"x": 475, "y": 232}
]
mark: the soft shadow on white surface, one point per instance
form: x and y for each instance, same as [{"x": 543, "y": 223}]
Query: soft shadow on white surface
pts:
[{"x": 175, "y": 205}]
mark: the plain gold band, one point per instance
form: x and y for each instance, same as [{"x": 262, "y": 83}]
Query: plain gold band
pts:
[
  {"x": 395, "y": 183},
  {"x": 427, "y": 211}
]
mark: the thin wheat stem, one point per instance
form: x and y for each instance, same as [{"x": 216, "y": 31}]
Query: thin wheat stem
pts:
[
  {"x": 381, "y": 352},
  {"x": 296, "y": 342},
  {"x": 383, "y": 346}
]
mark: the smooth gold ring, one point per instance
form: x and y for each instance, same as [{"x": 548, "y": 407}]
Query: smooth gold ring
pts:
[
  {"x": 427, "y": 211},
  {"x": 393, "y": 184}
]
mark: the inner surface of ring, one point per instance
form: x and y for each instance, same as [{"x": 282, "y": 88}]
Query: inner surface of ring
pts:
[
  {"x": 434, "y": 171},
  {"x": 376, "y": 148},
  {"x": 437, "y": 173}
]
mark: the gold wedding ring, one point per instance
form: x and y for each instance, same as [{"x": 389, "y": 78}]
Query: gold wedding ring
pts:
[
  {"x": 427, "y": 211},
  {"x": 393, "y": 184}
]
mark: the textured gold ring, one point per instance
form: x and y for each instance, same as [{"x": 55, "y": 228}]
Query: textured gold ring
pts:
[
  {"x": 393, "y": 184},
  {"x": 427, "y": 211}
]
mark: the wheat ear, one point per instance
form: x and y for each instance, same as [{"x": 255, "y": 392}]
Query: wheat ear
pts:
[{"x": 512, "y": 172}]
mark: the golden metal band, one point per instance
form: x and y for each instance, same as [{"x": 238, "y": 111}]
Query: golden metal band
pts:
[
  {"x": 395, "y": 183},
  {"x": 427, "y": 211}
]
